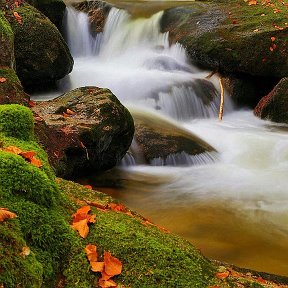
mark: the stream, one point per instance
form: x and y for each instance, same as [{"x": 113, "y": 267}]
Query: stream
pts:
[{"x": 233, "y": 209}]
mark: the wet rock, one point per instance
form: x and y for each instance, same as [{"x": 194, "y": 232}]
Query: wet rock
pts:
[
  {"x": 92, "y": 135},
  {"x": 6, "y": 42},
  {"x": 274, "y": 106},
  {"x": 97, "y": 12},
  {"x": 11, "y": 90},
  {"x": 231, "y": 37},
  {"x": 156, "y": 137},
  {"x": 42, "y": 56},
  {"x": 53, "y": 9}
]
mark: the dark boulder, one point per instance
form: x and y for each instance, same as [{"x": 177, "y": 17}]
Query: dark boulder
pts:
[
  {"x": 157, "y": 138},
  {"x": 274, "y": 106},
  {"x": 42, "y": 56},
  {"x": 92, "y": 135},
  {"x": 53, "y": 9}
]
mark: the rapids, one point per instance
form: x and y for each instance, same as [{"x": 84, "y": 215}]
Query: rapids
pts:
[{"x": 234, "y": 208}]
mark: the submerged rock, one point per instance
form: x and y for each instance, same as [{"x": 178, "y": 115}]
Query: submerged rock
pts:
[
  {"x": 11, "y": 90},
  {"x": 157, "y": 138},
  {"x": 84, "y": 130},
  {"x": 42, "y": 56},
  {"x": 274, "y": 106}
]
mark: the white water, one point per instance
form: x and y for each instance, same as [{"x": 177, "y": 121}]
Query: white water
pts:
[{"x": 133, "y": 59}]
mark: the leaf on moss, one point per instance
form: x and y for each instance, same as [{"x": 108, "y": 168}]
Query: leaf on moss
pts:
[
  {"x": 107, "y": 283},
  {"x": 97, "y": 266},
  {"x": 25, "y": 251},
  {"x": 18, "y": 17},
  {"x": 81, "y": 219},
  {"x": 222, "y": 275},
  {"x": 13, "y": 149},
  {"x": 88, "y": 187},
  {"x": 2, "y": 80},
  {"x": 113, "y": 266},
  {"x": 6, "y": 214}
]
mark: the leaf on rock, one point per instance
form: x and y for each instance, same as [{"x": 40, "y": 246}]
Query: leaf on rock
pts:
[
  {"x": 70, "y": 112},
  {"x": 6, "y": 214},
  {"x": 82, "y": 227},
  {"x": 25, "y": 251},
  {"x": 222, "y": 275},
  {"x": 113, "y": 266}
]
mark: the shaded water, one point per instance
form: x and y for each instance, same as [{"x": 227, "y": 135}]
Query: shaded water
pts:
[{"x": 233, "y": 209}]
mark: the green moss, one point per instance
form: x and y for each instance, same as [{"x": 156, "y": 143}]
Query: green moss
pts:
[{"x": 16, "y": 121}]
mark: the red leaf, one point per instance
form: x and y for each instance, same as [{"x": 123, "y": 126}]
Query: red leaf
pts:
[
  {"x": 32, "y": 103},
  {"x": 273, "y": 39},
  {"x": 222, "y": 275},
  {"x": 88, "y": 187}
]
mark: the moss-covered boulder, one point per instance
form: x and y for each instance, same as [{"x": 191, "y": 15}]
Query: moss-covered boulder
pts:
[
  {"x": 274, "y": 106},
  {"x": 6, "y": 42},
  {"x": 11, "y": 90},
  {"x": 232, "y": 36},
  {"x": 42, "y": 56},
  {"x": 84, "y": 130},
  {"x": 53, "y": 9},
  {"x": 160, "y": 142}
]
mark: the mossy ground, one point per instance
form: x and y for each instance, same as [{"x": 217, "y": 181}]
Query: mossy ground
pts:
[{"x": 44, "y": 205}]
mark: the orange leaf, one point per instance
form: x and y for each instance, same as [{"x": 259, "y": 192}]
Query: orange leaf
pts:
[
  {"x": 32, "y": 103},
  {"x": 117, "y": 207},
  {"x": 91, "y": 218},
  {"x": 273, "y": 39},
  {"x": 88, "y": 187},
  {"x": 65, "y": 114},
  {"x": 252, "y": 2},
  {"x": 91, "y": 252},
  {"x": 97, "y": 266},
  {"x": 113, "y": 266},
  {"x": 2, "y": 80},
  {"x": 18, "y": 17},
  {"x": 82, "y": 212},
  {"x": 6, "y": 214},
  {"x": 82, "y": 227},
  {"x": 261, "y": 280},
  {"x": 222, "y": 275},
  {"x": 70, "y": 112},
  {"x": 13, "y": 149},
  {"x": 28, "y": 155},
  {"x": 25, "y": 251},
  {"x": 34, "y": 161},
  {"x": 271, "y": 49},
  {"x": 107, "y": 283}
]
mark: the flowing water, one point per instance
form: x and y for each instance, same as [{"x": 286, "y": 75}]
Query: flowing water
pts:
[{"x": 235, "y": 208}]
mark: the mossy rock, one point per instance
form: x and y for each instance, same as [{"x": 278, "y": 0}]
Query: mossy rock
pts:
[
  {"x": 93, "y": 138},
  {"x": 53, "y": 9},
  {"x": 6, "y": 43},
  {"x": 11, "y": 90},
  {"x": 42, "y": 56},
  {"x": 274, "y": 106},
  {"x": 232, "y": 37}
]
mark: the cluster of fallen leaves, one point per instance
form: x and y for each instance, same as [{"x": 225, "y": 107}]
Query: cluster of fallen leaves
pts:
[
  {"x": 239, "y": 278},
  {"x": 109, "y": 267},
  {"x": 29, "y": 156}
]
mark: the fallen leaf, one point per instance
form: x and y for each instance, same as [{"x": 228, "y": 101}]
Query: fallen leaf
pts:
[
  {"x": 97, "y": 266},
  {"x": 32, "y": 103},
  {"x": 34, "y": 161},
  {"x": 113, "y": 266},
  {"x": 117, "y": 207},
  {"x": 271, "y": 49},
  {"x": 13, "y": 149},
  {"x": 222, "y": 275},
  {"x": 91, "y": 252},
  {"x": 106, "y": 283},
  {"x": 18, "y": 17},
  {"x": 83, "y": 210},
  {"x": 273, "y": 39},
  {"x": 6, "y": 214},
  {"x": 65, "y": 114},
  {"x": 88, "y": 187},
  {"x": 261, "y": 280},
  {"x": 25, "y": 251},
  {"x": 70, "y": 112},
  {"x": 28, "y": 155},
  {"x": 82, "y": 227},
  {"x": 252, "y": 2},
  {"x": 2, "y": 80}
]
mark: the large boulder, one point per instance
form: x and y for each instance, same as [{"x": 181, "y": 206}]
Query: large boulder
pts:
[
  {"x": 11, "y": 90},
  {"x": 42, "y": 56},
  {"x": 232, "y": 37},
  {"x": 53, "y": 9},
  {"x": 6, "y": 42},
  {"x": 274, "y": 106},
  {"x": 84, "y": 130},
  {"x": 157, "y": 139}
]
